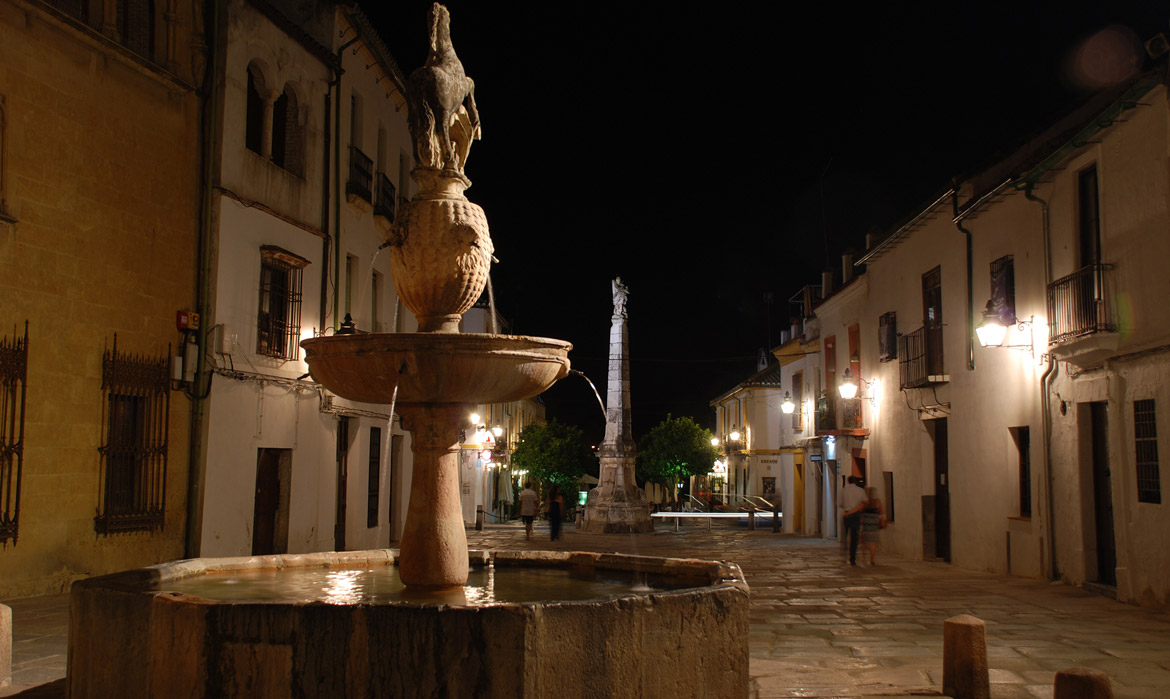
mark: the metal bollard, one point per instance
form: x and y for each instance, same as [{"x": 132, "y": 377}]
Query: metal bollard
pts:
[
  {"x": 751, "y": 520},
  {"x": 479, "y": 518},
  {"x": 775, "y": 521}
]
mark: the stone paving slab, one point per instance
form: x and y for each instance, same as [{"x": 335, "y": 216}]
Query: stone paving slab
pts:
[{"x": 820, "y": 628}]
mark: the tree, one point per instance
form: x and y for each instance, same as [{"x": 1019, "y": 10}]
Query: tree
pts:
[
  {"x": 554, "y": 453},
  {"x": 676, "y": 448}
]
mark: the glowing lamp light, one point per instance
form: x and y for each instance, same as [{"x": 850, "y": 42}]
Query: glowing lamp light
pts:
[
  {"x": 497, "y": 430},
  {"x": 991, "y": 332},
  {"x": 848, "y": 386},
  {"x": 714, "y": 441},
  {"x": 788, "y": 407},
  {"x": 734, "y": 436},
  {"x": 473, "y": 418}
]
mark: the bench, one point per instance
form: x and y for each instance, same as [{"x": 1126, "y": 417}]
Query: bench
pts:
[{"x": 709, "y": 516}]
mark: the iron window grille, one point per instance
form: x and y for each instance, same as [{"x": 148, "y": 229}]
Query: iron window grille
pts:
[
  {"x": 136, "y": 408},
  {"x": 374, "y": 476},
  {"x": 278, "y": 322},
  {"x": 920, "y": 357},
  {"x": 13, "y": 382},
  {"x": 1145, "y": 432},
  {"x": 386, "y": 199},
  {"x": 361, "y": 174},
  {"x": 135, "y": 20},
  {"x": 1003, "y": 289}
]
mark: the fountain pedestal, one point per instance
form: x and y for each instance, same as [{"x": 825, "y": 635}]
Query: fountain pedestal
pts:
[{"x": 434, "y": 542}]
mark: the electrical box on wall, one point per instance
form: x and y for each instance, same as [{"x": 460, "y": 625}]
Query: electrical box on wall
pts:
[{"x": 186, "y": 320}]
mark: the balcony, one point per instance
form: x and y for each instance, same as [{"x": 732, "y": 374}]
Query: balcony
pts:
[
  {"x": 920, "y": 358},
  {"x": 358, "y": 188},
  {"x": 1082, "y": 321},
  {"x": 385, "y": 200}
]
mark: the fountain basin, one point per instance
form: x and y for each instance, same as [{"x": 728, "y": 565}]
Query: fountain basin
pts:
[
  {"x": 436, "y": 367},
  {"x": 130, "y": 637}
]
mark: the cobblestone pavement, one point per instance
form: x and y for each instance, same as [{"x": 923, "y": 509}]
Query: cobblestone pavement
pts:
[{"x": 819, "y": 627}]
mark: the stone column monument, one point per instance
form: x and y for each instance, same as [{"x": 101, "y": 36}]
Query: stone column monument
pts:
[{"x": 616, "y": 505}]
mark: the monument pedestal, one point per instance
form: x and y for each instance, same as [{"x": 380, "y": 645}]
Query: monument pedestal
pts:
[{"x": 616, "y": 505}]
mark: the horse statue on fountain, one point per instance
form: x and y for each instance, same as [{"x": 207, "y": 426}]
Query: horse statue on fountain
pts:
[{"x": 441, "y": 99}]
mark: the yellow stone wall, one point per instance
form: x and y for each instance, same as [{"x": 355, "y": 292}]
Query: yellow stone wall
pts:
[{"x": 101, "y": 173}]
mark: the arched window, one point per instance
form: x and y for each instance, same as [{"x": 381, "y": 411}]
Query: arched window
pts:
[
  {"x": 288, "y": 143},
  {"x": 254, "y": 120}
]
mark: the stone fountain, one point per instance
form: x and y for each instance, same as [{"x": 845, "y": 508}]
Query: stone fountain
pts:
[
  {"x": 440, "y": 252},
  {"x": 142, "y": 633}
]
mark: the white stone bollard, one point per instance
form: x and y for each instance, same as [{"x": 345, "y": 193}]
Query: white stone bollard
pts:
[
  {"x": 1082, "y": 683},
  {"x": 965, "y": 673},
  {"x": 5, "y": 645}
]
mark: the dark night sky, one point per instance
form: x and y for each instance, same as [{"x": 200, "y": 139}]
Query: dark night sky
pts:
[{"x": 684, "y": 146}]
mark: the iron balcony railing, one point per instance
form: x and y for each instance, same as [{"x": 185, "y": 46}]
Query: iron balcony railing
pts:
[
  {"x": 920, "y": 357},
  {"x": 361, "y": 174},
  {"x": 1081, "y": 304},
  {"x": 384, "y": 203}
]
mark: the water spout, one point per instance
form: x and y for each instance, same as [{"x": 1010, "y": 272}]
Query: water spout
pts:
[{"x": 604, "y": 415}]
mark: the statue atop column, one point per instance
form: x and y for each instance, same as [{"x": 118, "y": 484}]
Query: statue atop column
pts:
[
  {"x": 620, "y": 293},
  {"x": 617, "y": 504}
]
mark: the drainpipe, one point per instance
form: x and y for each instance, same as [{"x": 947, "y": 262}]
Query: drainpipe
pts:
[
  {"x": 209, "y": 129},
  {"x": 337, "y": 181},
  {"x": 958, "y": 220},
  {"x": 1045, "y": 390}
]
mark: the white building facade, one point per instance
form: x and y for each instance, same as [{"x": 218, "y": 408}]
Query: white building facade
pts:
[
  {"x": 312, "y": 159},
  {"x": 1037, "y": 457}
]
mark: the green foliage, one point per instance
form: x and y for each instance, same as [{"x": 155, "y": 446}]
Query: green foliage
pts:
[
  {"x": 675, "y": 449},
  {"x": 554, "y": 453}
]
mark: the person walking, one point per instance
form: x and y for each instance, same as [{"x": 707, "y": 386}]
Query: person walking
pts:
[
  {"x": 555, "y": 507},
  {"x": 852, "y": 500},
  {"x": 528, "y": 503},
  {"x": 873, "y": 518}
]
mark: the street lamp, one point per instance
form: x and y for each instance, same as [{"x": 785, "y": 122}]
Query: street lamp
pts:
[
  {"x": 714, "y": 441},
  {"x": 787, "y": 407},
  {"x": 848, "y": 386},
  {"x": 734, "y": 436},
  {"x": 992, "y": 331}
]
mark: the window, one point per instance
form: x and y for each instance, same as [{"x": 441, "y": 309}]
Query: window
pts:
[
  {"x": 135, "y": 411},
  {"x": 279, "y": 318},
  {"x": 888, "y": 337},
  {"x": 351, "y": 267},
  {"x": 888, "y": 482},
  {"x": 136, "y": 25},
  {"x": 1145, "y": 433},
  {"x": 288, "y": 149},
  {"x": 13, "y": 381},
  {"x": 1088, "y": 215},
  {"x": 1003, "y": 289},
  {"x": 3, "y": 159},
  {"x": 375, "y": 308},
  {"x": 404, "y": 161},
  {"x": 1023, "y": 439},
  {"x": 254, "y": 118},
  {"x": 798, "y": 399},
  {"x": 73, "y": 8},
  {"x": 375, "y": 478}
]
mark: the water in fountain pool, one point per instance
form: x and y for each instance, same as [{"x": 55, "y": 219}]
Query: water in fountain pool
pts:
[{"x": 380, "y": 584}]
